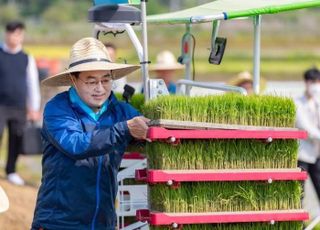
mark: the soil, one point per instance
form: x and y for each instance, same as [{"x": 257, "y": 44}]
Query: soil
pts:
[{"x": 22, "y": 202}]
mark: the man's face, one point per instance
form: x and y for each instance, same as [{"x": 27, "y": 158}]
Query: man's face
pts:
[
  {"x": 15, "y": 38},
  {"x": 247, "y": 85},
  {"x": 94, "y": 87},
  {"x": 166, "y": 75},
  {"x": 313, "y": 87}
]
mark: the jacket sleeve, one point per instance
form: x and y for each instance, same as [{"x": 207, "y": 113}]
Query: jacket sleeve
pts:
[{"x": 66, "y": 133}]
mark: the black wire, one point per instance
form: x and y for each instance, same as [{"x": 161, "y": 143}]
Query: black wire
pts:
[{"x": 114, "y": 33}]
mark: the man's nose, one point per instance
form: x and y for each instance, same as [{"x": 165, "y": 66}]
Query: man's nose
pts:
[{"x": 99, "y": 85}]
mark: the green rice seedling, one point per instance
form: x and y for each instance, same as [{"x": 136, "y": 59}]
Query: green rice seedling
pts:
[
  {"x": 222, "y": 154},
  {"x": 137, "y": 100},
  {"x": 296, "y": 225},
  {"x": 225, "y": 154},
  {"x": 228, "y": 108},
  {"x": 226, "y": 196}
]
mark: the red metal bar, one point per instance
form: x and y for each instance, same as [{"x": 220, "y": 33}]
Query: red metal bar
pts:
[
  {"x": 171, "y": 176},
  {"x": 155, "y": 218},
  {"x": 158, "y": 133},
  {"x": 133, "y": 156}
]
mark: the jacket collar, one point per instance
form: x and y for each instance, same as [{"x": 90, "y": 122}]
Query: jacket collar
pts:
[{"x": 78, "y": 102}]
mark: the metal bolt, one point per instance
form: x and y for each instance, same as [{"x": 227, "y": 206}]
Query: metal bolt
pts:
[
  {"x": 172, "y": 139},
  {"x": 174, "y": 225},
  {"x": 269, "y": 139}
]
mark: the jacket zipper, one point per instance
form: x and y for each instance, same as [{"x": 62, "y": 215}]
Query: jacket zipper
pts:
[{"x": 93, "y": 223}]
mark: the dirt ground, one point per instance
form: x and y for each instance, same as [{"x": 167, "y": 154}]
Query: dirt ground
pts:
[{"x": 22, "y": 201}]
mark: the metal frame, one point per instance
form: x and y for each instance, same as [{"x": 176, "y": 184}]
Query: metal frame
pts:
[
  {"x": 127, "y": 206},
  {"x": 178, "y": 176},
  {"x": 256, "y": 53},
  {"x": 173, "y": 136},
  {"x": 215, "y": 27},
  {"x": 177, "y": 220},
  {"x": 215, "y": 86}
]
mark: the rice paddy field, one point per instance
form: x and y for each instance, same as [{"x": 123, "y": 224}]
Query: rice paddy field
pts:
[{"x": 194, "y": 197}]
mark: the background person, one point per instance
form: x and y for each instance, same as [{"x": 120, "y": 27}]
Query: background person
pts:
[
  {"x": 308, "y": 119},
  {"x": 19, "y": 93},
  {"x": 245, "y": 80},
  {"x": 119, "y": 83},
  {"x": 165, "y": 68},
  {"x": 85, "y": 133}
]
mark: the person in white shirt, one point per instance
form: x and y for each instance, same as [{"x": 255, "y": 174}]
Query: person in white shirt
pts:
[
  {"x": 308, "y": 119},
  {"x": 19, "y": 93}
]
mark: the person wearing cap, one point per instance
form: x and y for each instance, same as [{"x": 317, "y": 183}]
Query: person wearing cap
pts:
[
  {"x": 19, "y": 94},
  {"x": 85, "y": 133},
  {"x": 244, "y": 79},
  {"x": 308, "y": 119},
  {"x": 165, "y": 68}
]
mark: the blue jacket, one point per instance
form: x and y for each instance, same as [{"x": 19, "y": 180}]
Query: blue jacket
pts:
[{"x": 81, "y": 159}]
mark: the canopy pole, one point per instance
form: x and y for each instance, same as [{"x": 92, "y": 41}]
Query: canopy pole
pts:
[
  {"x": 144, "y": 69},
  {"x": 256, "y": 54},
  {"x": 188, "y": 63}
]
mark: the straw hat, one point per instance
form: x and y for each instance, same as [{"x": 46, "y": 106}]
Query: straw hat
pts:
[
  {"x": 166, "y": 61},
  {"x": 89, "y": 54},
  {"x": 246, "y": 76}
]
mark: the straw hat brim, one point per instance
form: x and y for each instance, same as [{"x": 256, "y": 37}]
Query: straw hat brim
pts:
[
  {"x": 156, "y": 67},
  {"x": 235, "y": 81},
  {"x": 63, "y": 78}
]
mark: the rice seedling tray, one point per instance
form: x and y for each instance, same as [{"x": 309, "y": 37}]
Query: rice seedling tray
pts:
[
  {"x": 177, "y": 220},
  {"x": 174, "y": 177},
  {"x": 177, "y": 124},
  {"x": 174, "y": 135}
]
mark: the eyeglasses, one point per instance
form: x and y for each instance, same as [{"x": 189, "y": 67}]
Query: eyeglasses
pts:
[{"x": 94, "y": 83}]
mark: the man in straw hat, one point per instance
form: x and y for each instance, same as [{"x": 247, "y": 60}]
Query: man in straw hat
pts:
[
  {"x": 85, "y": 133},
  {"x": 244, "y": 79},
  {"x": 165, "y": 68}
]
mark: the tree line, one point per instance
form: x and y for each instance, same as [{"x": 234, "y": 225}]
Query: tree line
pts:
[{"x": 59, "y": 11}]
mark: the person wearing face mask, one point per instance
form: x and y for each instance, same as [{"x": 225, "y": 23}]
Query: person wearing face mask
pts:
[{"x": 308, "y": 119}]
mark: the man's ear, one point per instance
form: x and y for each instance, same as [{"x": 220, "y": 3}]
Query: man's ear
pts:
[{"x": 73, "y": 80}]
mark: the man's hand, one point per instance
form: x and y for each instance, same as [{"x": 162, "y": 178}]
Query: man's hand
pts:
[
  {"x": 33, "y": 115},
  {"x": 138, "y": 127}
]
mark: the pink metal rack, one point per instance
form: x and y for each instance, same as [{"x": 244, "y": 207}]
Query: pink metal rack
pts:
[
  {"x": 176, "y": 220},
  {"x": 176, "y": 176},
  {"x": 159, "y": 133}
]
